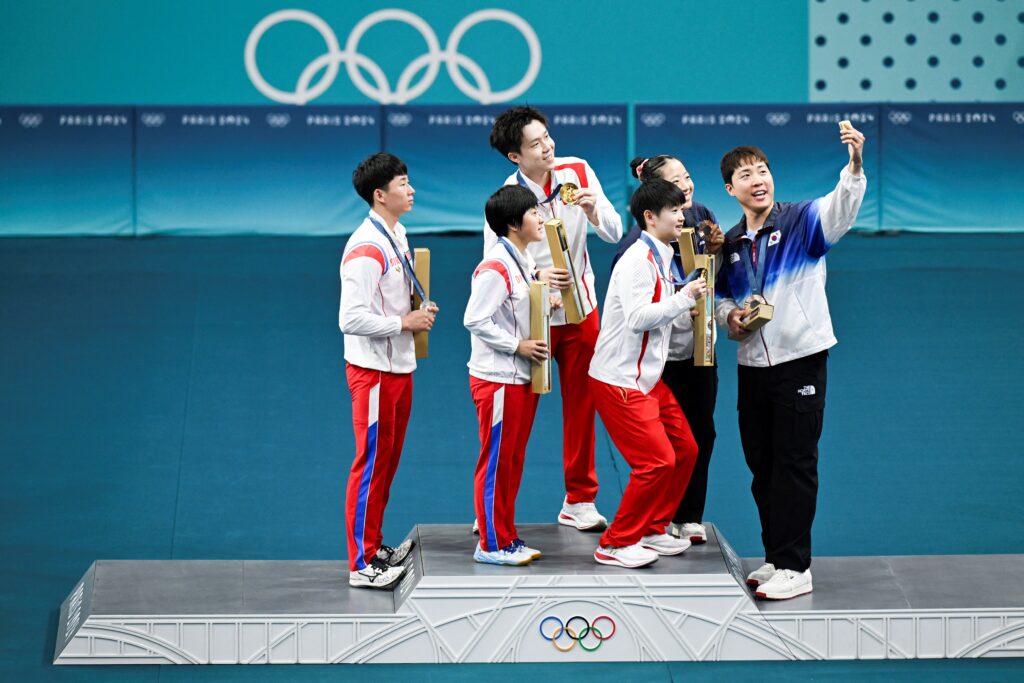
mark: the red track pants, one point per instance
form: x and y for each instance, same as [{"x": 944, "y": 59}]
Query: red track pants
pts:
[
  {"x": 381, "y": 402},
  {"x": 572, "y": 347},
  {"x": 505, "y": 413},
  {"x": 653, "y": 436}
]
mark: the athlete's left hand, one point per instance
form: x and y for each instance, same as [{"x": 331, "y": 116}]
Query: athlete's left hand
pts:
[
  {"x": 854, "y": 140},
  {"x": 586, "y": 199},
  {"x": 556, "y": 301},
  {"x": 715, "y": 239}
]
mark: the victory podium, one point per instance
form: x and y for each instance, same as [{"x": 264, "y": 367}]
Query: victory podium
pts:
[{"x": 564, "y": 607}]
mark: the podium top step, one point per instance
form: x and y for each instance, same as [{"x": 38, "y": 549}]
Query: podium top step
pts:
[{"x": 447, "y": 550}]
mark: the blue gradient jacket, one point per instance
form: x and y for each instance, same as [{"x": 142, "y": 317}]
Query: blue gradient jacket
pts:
[{"x": 799, "y": 236}]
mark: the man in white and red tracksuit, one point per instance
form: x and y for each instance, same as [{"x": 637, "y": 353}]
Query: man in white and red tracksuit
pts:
[
  {"x": 639, "y": 411},
  {"x": 376, "y": 318},
  {"x": 521, "y": 135}
]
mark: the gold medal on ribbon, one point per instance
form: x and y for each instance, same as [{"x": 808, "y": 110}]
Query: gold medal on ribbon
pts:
[{"x": 568, "y": 192}]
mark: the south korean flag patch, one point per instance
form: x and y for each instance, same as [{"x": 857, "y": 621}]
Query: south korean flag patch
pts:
[
  {"x": 734, "y": 258},
  {"x": 774, "y": 238}
]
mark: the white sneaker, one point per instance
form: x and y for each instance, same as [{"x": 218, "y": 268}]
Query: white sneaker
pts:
[
  {"x": 476, "y": 527},
  {"x": 532, "y": 552},
  {"x": 761, "y": 574},
  {"x": 693, "y": 532},
  {"x": 511, "y": 554},
  {"x": 786, "y": 584},
  {"x": 379, "y": 574},
  {"x": 582, "y": 516},
  {"x": 395, "y": 556},
  {"x": 630, "y": 556},
  {"x": 663, "y": 544}
]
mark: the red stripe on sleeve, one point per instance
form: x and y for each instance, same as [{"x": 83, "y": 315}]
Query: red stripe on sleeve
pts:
[
  {"x": 368, "y": 250},
  {"x": 581, "y": 171},
  {"x": 657, "y": 279},
  {"x": 499, "y": 268}
]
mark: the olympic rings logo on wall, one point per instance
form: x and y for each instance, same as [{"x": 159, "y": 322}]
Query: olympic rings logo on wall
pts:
[
  {"x": 554, "y": 634},
  {"x": 152, "y": 119},
  {"x": 30, "y": 120},
  {"x": 652, "y": 120},
  {"x": 380, "y": 90},
  {"x": 278, "y": 120},
  {"x": 900, "y": 118}
]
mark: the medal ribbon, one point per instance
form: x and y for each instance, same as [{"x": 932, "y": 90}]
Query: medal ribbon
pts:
[
  {"x": 551, "y": 197},
  {"x": 512, "y": 252},
  {"x": 410, "y": 273},
  {"x": 678, "y": 278},
  {"x": 755, "y": 278},
  {"x": 657, "y": 257}
]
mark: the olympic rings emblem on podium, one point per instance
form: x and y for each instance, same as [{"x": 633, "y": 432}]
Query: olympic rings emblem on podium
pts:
[
  {"x": 554, "y": 634},
  {"x": 380, "y": 90}
]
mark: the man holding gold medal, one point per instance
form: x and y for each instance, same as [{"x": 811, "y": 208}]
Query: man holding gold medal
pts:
[
  {"x": 770, "y": 292},
  {"x": 567, "y": 189}
]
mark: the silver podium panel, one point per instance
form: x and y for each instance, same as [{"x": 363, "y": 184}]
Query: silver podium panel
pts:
[{"x": 449, "y": 608}]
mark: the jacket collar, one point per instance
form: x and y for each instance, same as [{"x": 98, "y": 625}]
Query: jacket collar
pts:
[{"x": 739, "y": 231}]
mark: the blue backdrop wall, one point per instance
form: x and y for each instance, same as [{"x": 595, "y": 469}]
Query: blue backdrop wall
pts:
[
  {"x": 124, "y": 118},
  {"x": 286, "y": 170}
]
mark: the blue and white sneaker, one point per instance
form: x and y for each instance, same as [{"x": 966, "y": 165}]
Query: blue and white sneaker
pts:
[
  {"x": 511, "y": 554},
  {"x": 533, "y": 552}
]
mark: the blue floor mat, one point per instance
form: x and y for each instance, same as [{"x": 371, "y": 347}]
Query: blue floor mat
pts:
[{"x": 185, "y": 398}]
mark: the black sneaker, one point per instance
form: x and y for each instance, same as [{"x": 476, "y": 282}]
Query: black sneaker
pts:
[
  {"x": 379, "y": 574},
  {"x": 395, "y": 556}
]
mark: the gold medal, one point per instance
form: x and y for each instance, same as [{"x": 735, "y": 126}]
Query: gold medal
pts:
[{"x": 568, "y": 192}]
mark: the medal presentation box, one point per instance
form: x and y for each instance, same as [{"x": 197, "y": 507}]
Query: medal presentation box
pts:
[
  {"x": 561, "y": 257},
  {"x": 540, "y": 329},
  {"x": 704, "y": 323},
  {"x": 759, "y": 314},
  {"x": 563, "y": 607},
  {"x": 421, "y": 266}
]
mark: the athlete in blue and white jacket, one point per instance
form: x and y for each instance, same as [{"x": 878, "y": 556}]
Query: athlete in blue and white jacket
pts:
[
  {"x": 778, "y": 251},
  {"x": 795, "y": 236}
]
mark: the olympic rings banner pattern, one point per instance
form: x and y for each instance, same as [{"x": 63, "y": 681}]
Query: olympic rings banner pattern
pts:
[
  {"x": 287, "y": 169},
  {"x": 224, "y": 170},
  {"x": 380, "y": 89}
]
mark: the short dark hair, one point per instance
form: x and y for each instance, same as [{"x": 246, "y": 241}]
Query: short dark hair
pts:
[
  {"x": 654, "y": 196},
  {"x": 651, "y": 166},
  {"x": 507, "y": 131},
  {"x": 507, "y": 207},
  {"x": 375, "y": 172},
  {"x": 738, "y": 156}
]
